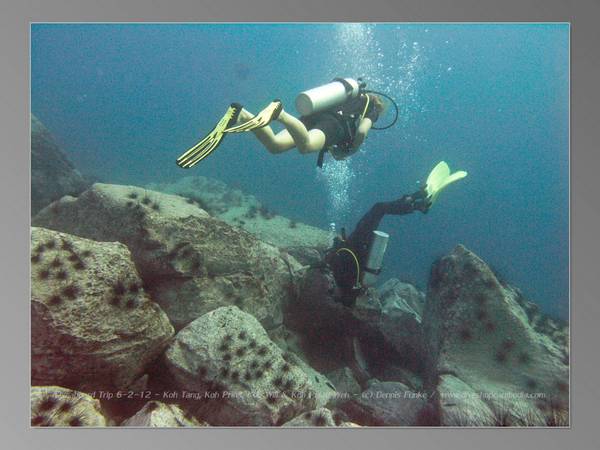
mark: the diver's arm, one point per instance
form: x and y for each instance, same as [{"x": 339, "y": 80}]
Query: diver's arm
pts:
[{"x": 361, "y": 132}]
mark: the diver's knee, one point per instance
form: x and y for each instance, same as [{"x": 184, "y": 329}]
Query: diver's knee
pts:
[{"x": 305, "y": 147}]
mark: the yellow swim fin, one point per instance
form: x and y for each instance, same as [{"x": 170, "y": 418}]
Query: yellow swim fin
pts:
[
  {"x": 211, "y": 141},
  {"x": 438, "y": 179},
  {"x": 262, "y": 119}
]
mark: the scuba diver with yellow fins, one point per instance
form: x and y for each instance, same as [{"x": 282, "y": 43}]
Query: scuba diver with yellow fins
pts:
[
  {"x": 335, "y": 118},
  {"x": 355, "y": 261},
  {"x": 324, "y": 312}
]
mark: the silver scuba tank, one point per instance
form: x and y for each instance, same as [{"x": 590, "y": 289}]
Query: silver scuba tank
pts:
[
  {"x": 326, "y": 96},
  {"x": 375, "y": 258}
]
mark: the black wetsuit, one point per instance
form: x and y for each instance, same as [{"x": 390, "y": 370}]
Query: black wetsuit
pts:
[
  {"x": 339, "y": 124},
  {"x": 342, "y": 263}
]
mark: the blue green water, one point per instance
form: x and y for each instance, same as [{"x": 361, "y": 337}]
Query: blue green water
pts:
[{"x": 125, "y": 100}]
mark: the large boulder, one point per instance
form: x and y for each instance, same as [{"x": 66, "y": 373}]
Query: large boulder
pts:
[
  {"x": 478, "y": 330},
  {"x": 245, "y": 211},
  {"x": 55, "y": 406},
  {"x": 52, "y": 174},
  {"x": 385, "y": 404},
  {"x": 92, "y": 324},
  {"x": 239, "y": 376},
  {"x": 162, "y": 415},
  {"x": 190, "y": 262}
]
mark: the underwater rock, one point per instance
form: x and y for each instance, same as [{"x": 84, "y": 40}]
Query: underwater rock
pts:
[
  {"x": 385, "y": 404},
  {"x": 240, "y": 376},
  {"x": 324, "y": 389},
  {"x": 158, "y": 414},
  {"x": 557, "y": 330},
  {"x": 323, "y": 323},
  {"x": 92, "y": 325},
  {"x": 290, "y": 344},
  {"x": 307, "y": 256},
  {"x": 190, "y": 262},
  {"x": 212, "y": 195},
  {"x": 245, "y": 211},
  {"x": 391, "y": 334},
  {"x": 55, "y": 406},
  {"x": 476, "y": 329},
  {"x": 460, "y": 405},
  {"x": 320, "y": 417},
  {"x": 393, "y": 371},
  {"x": 344, "y": 381},
  {"x": 287, "y": 340},
  {"x": 397, "y": 295},
  {"x": 52, "y": 174},
  {"x": 401, "y": 310}
]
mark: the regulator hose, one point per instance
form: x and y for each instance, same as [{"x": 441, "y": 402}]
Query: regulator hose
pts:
[{"x": 368, "y": 91}]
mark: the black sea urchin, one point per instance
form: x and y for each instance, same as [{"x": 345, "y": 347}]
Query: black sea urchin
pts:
[
  {"x": 119, "y": 288},
  {"x": 71, "y": 291},
  {"x": 56, "y": 262},
  {"x": 38, "y": 420},
  {"x": 55, "y": 300},
  {"x": 43, "y": 274},
  {"x": 47, "y": 404},
  {"x": 62, "y": 274},
  {"x": 320, "y": 420}
]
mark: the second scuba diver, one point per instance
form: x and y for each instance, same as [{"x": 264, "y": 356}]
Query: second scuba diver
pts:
[
  {"x": 335, "y": 117},
  {"x": 325, "y": 312},
  {"x": 356, "y": 260}
]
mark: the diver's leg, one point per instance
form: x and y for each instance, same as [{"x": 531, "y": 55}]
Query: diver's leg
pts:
[
  {"x": 361, "y": 236},
  {"x": 306, "y": 141},
  {"x": 295, "y": 135},
  {"x": 274, "y": 143}
]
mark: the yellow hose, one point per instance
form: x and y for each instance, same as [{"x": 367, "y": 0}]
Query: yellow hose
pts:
[{"x": 355, "y": 261}]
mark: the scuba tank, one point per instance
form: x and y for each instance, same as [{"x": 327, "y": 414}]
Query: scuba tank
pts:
[
  {"x": 372, "y": 267},
  {"x": 327, "y": 96}
]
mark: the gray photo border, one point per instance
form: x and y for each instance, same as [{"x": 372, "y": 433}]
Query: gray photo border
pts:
[{"x": 15, "y": 18}]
